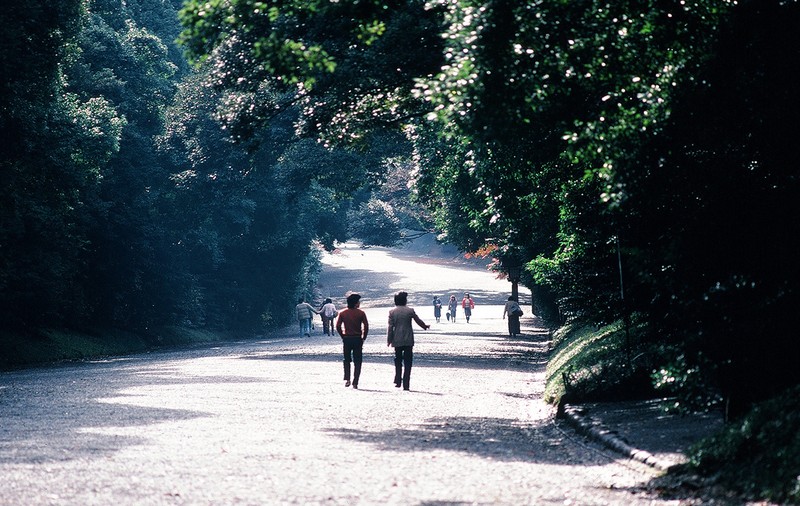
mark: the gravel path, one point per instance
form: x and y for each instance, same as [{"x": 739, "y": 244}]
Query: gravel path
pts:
[{"x": 269, "y": 421}]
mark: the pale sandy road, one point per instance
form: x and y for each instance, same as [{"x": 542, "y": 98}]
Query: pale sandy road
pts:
[{"x": 270, "y": 422}]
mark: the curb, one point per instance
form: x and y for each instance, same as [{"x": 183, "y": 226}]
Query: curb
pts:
[{"x": 578, "y": 419}]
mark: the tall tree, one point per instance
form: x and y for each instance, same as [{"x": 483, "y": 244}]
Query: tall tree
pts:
[{"x": 54, "y": 145}]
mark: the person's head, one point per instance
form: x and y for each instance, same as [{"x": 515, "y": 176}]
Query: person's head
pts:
[
  {"x": 300, "y": 300},
  {"x": 466, "y": 295},
  {"x": 452, "y": 297},
  {"x": 353, "y": 300},
  {"x": 511, "y": 297},
  {"x": 401, "y": 299},
  {"x": 328, "y": 300}
]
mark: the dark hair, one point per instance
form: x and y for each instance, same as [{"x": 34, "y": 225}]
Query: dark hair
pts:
[
  {"x": 352, "y": 300},
  {"x": 511, "y": 297},
  {"x": 300, "y": 300},
  {"x": 401, "y": 299},
  {"x": 328, "y": 300}
]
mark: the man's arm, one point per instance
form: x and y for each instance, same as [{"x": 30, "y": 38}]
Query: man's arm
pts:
[
  {"x": 365, "y": 327},
  {"x": 339, "y": 324},
  {"x": 419, "y": 321}
]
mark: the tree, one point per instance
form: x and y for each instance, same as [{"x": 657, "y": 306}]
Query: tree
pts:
[{"x": 54, "y": 146}]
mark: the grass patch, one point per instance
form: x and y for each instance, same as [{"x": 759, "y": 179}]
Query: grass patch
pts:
[
  {"x": 757, "y": 456},
  {"x": 591, "y": 364}
]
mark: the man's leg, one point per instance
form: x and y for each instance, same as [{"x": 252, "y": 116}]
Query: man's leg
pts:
[
  {"x": 408, "y": 358},
  {"x": 346, "y": 351},
  {"x": 398, "y": 365},
  {"x": 357, "y": 359}
]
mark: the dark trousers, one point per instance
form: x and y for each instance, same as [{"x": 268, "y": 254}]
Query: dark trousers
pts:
[
  {"x": 403, "y": 356},
  {"x": 352, "y": 347},
  {"x": 327, "y": 326}
]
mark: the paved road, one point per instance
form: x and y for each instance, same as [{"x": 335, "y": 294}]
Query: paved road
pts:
[{"x": 269, "y": 421}]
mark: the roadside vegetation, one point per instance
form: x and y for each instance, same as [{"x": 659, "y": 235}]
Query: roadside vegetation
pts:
[
  {"x": 756, "y": 456},
  {"x": 631, "y": 162},
  {"x": 759, "y": 454}
]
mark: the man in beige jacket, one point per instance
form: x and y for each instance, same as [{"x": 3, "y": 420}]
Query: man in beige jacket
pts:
[{"x": 401, "y": 336}]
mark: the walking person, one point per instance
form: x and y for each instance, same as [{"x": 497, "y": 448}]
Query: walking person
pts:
[
  {"x": 305, "y": 313},
  {"x": 468, "y": 304},
  {"x": 328, "y": 312},
  {"x": 514, "y": 311},
  {"x": 437, "y": 308},
  {"x": 353, "y": 327},
  {"x": 401, "y": 336},
  {"x": 452, "y": 305}
]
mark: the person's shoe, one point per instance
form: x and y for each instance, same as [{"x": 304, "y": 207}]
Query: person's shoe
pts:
[
  {"x": 406, "y": 389},
  {"x": 397, "y": 385},
  {"x": 347, "y": 383},
  {"x": 355, "y": 386}
]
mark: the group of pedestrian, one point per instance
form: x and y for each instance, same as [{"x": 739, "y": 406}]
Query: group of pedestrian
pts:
[
  {"x": 306, "y": 312},
  {"x": 353, "y": 327},
  {"x": 467, "y": 304}
]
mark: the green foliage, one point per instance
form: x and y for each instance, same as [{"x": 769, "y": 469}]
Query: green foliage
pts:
[
  {"x": 375, "y": 223},
  {"x": 103, "y": 236},
  {"x": 758, "y": 455},
  {"x": 53, "y": 148},
  {"x": 338, "y": 60},
  {"x": 689, "y": 384}
]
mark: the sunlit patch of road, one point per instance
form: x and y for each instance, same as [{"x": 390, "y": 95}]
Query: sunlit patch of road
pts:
[{"x": 379, "y": 272}]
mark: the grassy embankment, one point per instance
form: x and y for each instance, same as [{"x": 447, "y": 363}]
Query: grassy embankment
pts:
[
  {"x": 593, "y": 364},
  {"x": 757, "y": 456}
]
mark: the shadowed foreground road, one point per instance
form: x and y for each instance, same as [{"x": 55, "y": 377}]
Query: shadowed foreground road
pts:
[{"x": 270, "y": 421}]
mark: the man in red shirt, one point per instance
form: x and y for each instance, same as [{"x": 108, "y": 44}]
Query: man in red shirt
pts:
[{"x": 353, "y": 327}]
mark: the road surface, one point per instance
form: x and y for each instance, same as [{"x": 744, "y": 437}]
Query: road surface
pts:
[{"x": 269, "y": 421}]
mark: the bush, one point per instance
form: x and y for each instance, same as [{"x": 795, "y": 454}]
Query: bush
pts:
[{"x": 758, "y": 455}]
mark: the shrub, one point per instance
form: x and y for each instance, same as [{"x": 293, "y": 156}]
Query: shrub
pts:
[{"x": 759, "y": 454}]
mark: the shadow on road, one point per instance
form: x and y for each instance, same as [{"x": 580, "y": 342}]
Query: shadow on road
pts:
[
  {"x": 523, "y": 353},
  {"x": 490, "y": 438},
  {"x": 79, "y": 413}
]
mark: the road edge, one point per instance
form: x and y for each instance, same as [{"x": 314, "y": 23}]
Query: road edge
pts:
[{"x": 579, "y": 419}]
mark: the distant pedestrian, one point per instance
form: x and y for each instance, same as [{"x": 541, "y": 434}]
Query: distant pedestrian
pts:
[
  {"x": 353, "y": 327},
  {"x": 437, "y": 308},
  {"x": 451, "y": 308},
  {"x": 514, "y": 311},
  {"x": 305, "y": 314},
  {"x": 328, "y": 312},
  {"x": 401, "y": 336},
  {"x": 468, "y": 304}
]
